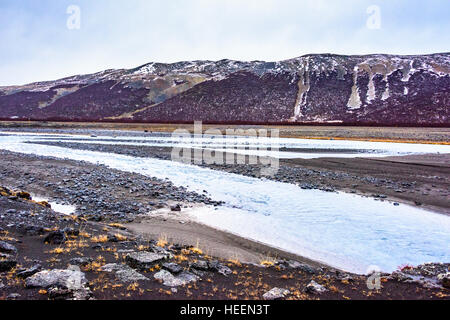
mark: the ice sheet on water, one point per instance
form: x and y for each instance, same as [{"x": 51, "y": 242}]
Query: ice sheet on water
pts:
[{"x": 250, "y": 145}]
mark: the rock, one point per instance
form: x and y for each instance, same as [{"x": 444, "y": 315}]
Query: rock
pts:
[
  {"x": 444, "y": 279},
  {"x": 123, "y": 272},
  {"x": 29, "y": 272},
  {"x": 81, "y": 261},
  {"x": 144, "y": 260},
  {"x": 23, "y": 195},
  {"x": 34, "y": 230},
  {"x": 71, "y": 232},
  {"x": 172, "y": 267},
  {"x": 175, "y": 207},
  {"x": 7, "y": 265},
  {"x": 5, "y": 256},
  {"x": 305, "y": 268},
  {"x": 55, "y": 237},
  {"x": 5, "y": 247},
  {"x": 400, "y": 276},
  {"x": 66, "y": 279},
  {"x": 315, "y": 288},
  {"x": 275, "y": 294},
  {"x": 112, "y": 238},
  {"x": 170, "y": 280},
  {"x": 219, "y": 268},
  {"x": 82, "y": 294},
  {"x": 13, "y": 296},
  {"x": 11, "y": 211},
  {"x": 58, "y": 293},
  {"x": 200, "y": 265}
]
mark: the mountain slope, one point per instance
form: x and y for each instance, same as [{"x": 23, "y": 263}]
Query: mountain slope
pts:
[{"x": 372, "y": 89}]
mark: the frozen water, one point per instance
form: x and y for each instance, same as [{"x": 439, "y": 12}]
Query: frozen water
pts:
[{"x": 292, "y": 148}]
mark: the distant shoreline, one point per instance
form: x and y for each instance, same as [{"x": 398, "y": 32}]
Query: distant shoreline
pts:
[{"x": 439, "y": 135}]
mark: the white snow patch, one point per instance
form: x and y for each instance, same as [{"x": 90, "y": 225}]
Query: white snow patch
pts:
[
  {"x": 66, "y": 209},
  {"x": 386, "y": 93}
]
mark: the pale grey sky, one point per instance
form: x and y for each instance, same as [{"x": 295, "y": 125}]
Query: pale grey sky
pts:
[{"x": 38, "y": 45}]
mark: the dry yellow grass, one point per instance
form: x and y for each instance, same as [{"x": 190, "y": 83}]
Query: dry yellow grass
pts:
[
  {"x": 120, "y": 237},
  {"x": 100, "y": 239},
  {"x": 162, "y": 241},
  {"x": 267, "y": 261},
  {"x": 117, "y": 226}
]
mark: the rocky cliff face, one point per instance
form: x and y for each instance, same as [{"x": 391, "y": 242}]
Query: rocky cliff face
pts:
[{"x": 373, "y": 89}]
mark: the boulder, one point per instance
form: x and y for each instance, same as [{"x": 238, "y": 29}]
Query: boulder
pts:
[
  {"x": 306, "y": 268},
  {"x": 400, "y": 276},
  {"x": 175, "y": 208},
  {"x": 315, "y": 288},
  {"x": 13, "y": 296},
  {"x": 170, "y": 280},
  {"x": 123, "y": 272},
  {"x": 144, "y": 260},
  {"x": 55, "y": 237},
  {"x": 29, "y": 272},
  {"x": 275, "y": 294},
  {"x": 66, "y": 279},
  {"x": 220, "y": 268},
  {"x": 444, "y": 279},
  {"x": 32, "y": 230},
  {"x": 200, "y": 265},
  {"x": 172, "y": 267},
  {"x": 71, "y": 232},
  {"x": 5, "y": 247},
  {"x": 7, "y": 265},
  {"x": 81, "y": 261}
]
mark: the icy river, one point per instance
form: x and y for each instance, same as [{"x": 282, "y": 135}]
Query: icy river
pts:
[{"x": 346, "y": 231}]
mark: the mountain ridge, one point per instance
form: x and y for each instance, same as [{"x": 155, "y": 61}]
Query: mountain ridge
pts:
[{"x": 375, "y": 89}]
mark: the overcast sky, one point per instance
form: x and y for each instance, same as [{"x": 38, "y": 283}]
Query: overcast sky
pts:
[{"x": 41, "y": 41}]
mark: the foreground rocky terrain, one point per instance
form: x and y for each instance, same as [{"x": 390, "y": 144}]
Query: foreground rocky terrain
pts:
[
  {"x": 94, "y": 253},
  {"x": 318, "y": 88},
  {"x": 46, "y": 255}
]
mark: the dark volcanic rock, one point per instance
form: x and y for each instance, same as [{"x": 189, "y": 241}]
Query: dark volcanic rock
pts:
[
  {"x": 55, "y": 237},
  {"x": 144, "y": 260},
  {"x": 29, "y": 272},
  {"x": 7, "y": 248},
  {"x": 6, "y": 265},
  {"x": 172, "y": 267}
]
